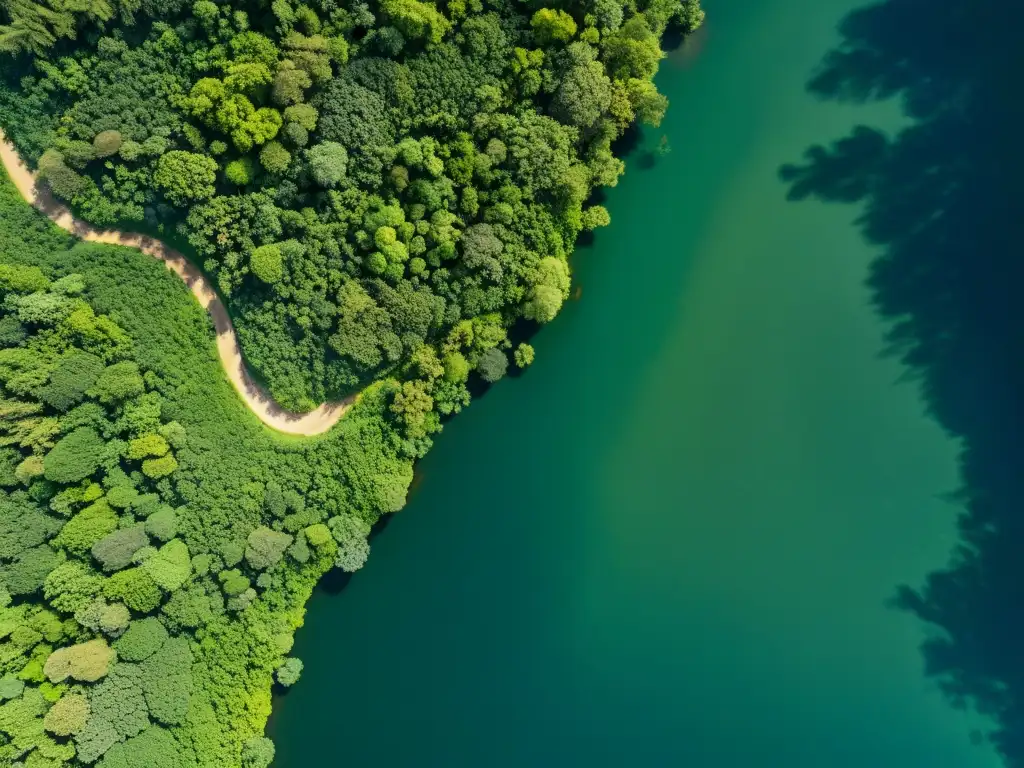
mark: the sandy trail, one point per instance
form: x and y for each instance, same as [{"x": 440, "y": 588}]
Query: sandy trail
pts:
[{"x": 259, "y": 402}]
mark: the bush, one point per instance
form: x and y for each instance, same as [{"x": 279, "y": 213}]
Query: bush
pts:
[
  {"x": 596, "y": 216},
  {"x": 170, "y": 566},
  {"x": 18, "y": 278},
  {"x": 456, "y": 368},
  {"x": 31, "y": 468},
  {"x": 27, "y": 573},
  {"x": 162, "y": 524},
  {"x": 135, "y": 588},
  {"x": 114, "y": 619},
  {"x": 233, "y": 582},
  {"x": 155, "y": 747},
  {"x": 523, "y": 355},
  {"x": 86, "y": 528},
  {"x": 147, "y": 446},
  {"x": 122, "y": 496},
  {"x": 289, "y": 672},
  {"x": 257, "y": 752},
  {"x": 10, "y": 687},
  {"x": 552, "y": 25},
  {"x": 185, "y": 177},
  {"x": 350, "y": 534},
  {"x": 66, "y": 183}
]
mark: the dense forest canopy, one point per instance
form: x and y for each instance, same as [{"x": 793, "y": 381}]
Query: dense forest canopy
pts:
[
  {"x": 384, "y": 194},
  {"x": 359, "y": 179},
  {"x": 157, "y": 544}
]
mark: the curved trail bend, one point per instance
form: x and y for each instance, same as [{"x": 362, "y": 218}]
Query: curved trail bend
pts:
[{"x": 259, "y": 402}]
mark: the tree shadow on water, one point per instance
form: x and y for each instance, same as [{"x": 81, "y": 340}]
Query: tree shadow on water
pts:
[{"x": 941, "y": 200}]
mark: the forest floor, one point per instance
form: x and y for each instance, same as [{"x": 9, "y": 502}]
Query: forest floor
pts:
[{"x": 256, "y": 398}]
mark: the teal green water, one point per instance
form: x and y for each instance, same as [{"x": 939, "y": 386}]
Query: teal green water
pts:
[{"x": 670, "y": 542}]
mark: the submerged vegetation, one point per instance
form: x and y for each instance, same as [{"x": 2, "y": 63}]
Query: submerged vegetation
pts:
[{"x": 381, "y": 192}]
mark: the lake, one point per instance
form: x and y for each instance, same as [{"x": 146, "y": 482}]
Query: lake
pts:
[{"x": 672, "y": 541}]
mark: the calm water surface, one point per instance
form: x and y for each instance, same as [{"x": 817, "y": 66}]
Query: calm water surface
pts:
[{"x": 671, "y": 542}]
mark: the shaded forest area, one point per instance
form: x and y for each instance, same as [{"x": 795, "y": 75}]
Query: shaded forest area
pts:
[{"x": 940, "y": 200}]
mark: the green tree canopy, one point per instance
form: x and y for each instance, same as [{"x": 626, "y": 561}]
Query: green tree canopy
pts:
[
  {"x": 68, "y": 715},
  {"x": 185, "y": 177},
  {"x": 85, "y": 662},
  {"x": 75, "y": 456},
  {"x": 267, "y": 263},
  {"x": 492, "y": 365},
  {"x": 552, "y": 25},
  {"x": 265, "y": 547},
  {"x": 143, "y": 638},
  {"x": 327, "y": 163}
]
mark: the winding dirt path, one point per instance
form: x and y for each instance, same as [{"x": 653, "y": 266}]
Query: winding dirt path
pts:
[{"x": 259, "y": 402}]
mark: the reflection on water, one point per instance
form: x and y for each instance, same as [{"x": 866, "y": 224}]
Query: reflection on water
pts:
[
  {"x": 941, "y": 199},
  {"x": 684, "y": 52},
  {"x": 671, "y": 541}
]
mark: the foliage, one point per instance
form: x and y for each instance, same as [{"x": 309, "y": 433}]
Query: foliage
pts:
[
  {"x": 170, "y": 566},
  {"x": 71, "y": 379},
  {"x": 118, "y": 382},
  {"x": 359, "y": 467},
  {"x": 116, "y": 550},
  {"x": 154, "y": 747},
  {"x": 265, "y": 548},
  {"x": 523, "y": 355},
  {"x": 75, "y": 456},
  {"x": 135, "y": 588},
  {"x": 358, "y": 182},
  {"x": 380, "y": 193},
  {"x": 327, "y": 163},
  {"x": 162, "y": 524},
  {"x": 289, "y": 672},
  {"x": 87, "y": 528},
  {"x": 143, "y": 638},
  {"x": 185, "y": 176},
  {"x": 87, "y": 662},
  {"x": 266, "y": 263},
  {"x": 553, "y": 26},
  {"x": 160, "y": 467},
  {"x": 350, "y": 534},
  {"x": 68, "y": 715},
  {"x": 258, "y": 753},
  {"x": 492, "y": 365}
]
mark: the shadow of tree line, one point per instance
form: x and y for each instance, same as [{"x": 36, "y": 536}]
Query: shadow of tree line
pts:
[{"x": 941, "y": 198}]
